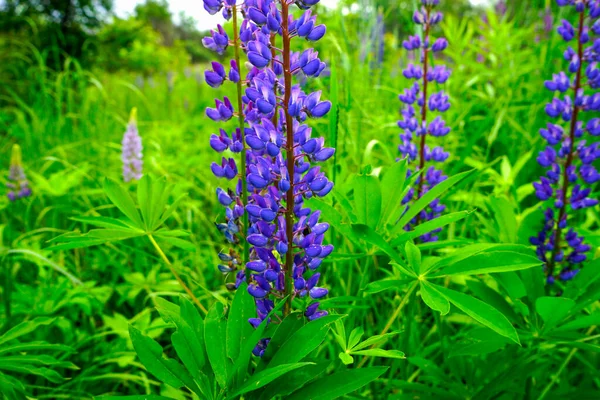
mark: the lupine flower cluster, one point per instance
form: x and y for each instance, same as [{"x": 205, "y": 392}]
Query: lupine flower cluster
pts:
[
  {"x": 419, "y": 102},
  {"x": 569, "y": 155},
  {"x": 285, "y": 237},
  {"x": 131, "y": 150},
  {"x": 18, "y": 185}
]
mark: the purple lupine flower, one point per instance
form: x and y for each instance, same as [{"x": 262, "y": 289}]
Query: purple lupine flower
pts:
[
  {"x": 568, "y": 158},
  {"x": 131, "y": 150},
  {"x": 417, "y": 121},
  {"x": 286, "y": 238},
  {"x": 17, "y": 184}
]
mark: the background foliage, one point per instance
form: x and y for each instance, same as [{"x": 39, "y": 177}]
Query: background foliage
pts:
[{"x": 69, "y": 75}]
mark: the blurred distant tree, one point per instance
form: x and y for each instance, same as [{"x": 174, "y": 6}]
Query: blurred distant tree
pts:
[
  {"x": 63, "y": 26},
  {"x": 157, "y": 14}
]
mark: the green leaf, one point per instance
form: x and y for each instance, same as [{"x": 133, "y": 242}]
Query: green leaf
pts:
[
  {"x": 135, "y": 397},
  {"x": 26, "y": 369},
  {"x": 24, "y": 328},
  {"x": 393, "y": 183},
  {"x": 433, "y": 193},
  {"x": 380, "y": 353},
  {"x": 144, "y": 189},
  {"x": 338, "y": 384},
  {"x": 265, "y": 377},
  {"x": 120, "y": 198},
  {"x": 579, "y": 323},
  {"x": 491, "y": 262},
  {"x": 303, "y": 341},
  {"x": 346, "y": 358},
  {"x": 355, "y": 336},
  {"x": 553, "y": 309},
  {"x": 367, "y": 198},
  {"x": 215, "y": 331},
  {"x": 387, "y": 284},
  {"x": 434, "y": 299},
  {"x": 481, "y": 312},
  {"x": 429, "y": 226},
  {"x": 370, "y": 236},
  {"x": 31, "y": 346},
  {"x": 238, "y": 328},
  {"x": 413, "y": 256},
  {"x": 167, "y": 370},
  {"x": 103, "y": 222},
  {"x": 293, "y": 381},
  {"x": 374, "y": 341}
]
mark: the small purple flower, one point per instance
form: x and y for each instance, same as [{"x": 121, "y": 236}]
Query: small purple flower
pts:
[
  {"x": 131, "y": 150},
  {"x": 17, "y": 184}
]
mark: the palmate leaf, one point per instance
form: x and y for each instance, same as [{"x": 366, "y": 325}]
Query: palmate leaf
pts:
[
  {"x": 491, "y": 262},
  {"x": 167, "y": 370},
  {"x": 393, "y": 183},
  {"x": 152, "y": 196},
  {"x": 553, "y": 309},
  {"x": 265, "y": 377},
  {"x": 293, "y": 380},
  {"x": 433, "y": 298},
  {"x": 338, "y": 384},
  {"x": 303, "y": 341},
  {"x": 479, "y": 311},
  {"x": 429, "y": 226},
  {"x": 433, "y": 193}
]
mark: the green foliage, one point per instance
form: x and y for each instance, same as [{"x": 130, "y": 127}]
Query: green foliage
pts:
[{"x": 469, "y": 316}]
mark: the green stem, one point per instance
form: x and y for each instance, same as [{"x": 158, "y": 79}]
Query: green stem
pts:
[
  {"x": 562, "y": 368},
  {"x": 176, "y": 275},
  {"x": 393, "y": 317}
]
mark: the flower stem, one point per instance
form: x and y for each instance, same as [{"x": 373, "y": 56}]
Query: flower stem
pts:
[
  {"x": 176, "y": 275},
  {"x": 289, "y": 128},
  {"x": 393, "y": 317},
  {"x": 565, "y": 175},
  {"x": 563, "y": 365},
  {"x": 240, "y": 105},
  {"x": 423, "y": 111}
]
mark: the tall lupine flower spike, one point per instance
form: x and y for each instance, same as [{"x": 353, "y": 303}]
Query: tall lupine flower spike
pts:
[
  {"x": 17, "y": 184},
  {"x": 234, "y": 199},
  {"x": 131, "y": 150},
  {"x": 569, "y": 157},
  {"x": 286, "y": 238},
  {"x": 417, "y": 122}
]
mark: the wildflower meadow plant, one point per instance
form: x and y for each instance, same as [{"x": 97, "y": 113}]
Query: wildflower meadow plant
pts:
[
  {"x": 420, "y": 102},
  {"x": 569, "y": 157},
  {"x": 131, "y": 150},
  {"x": 17, "y": 184},
  {"x": 277, "y": 149}
]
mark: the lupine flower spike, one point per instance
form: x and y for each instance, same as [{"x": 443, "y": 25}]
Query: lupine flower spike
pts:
[
  {"x": 417, "y": 122},
  {"x": 285, "y": 238},
  {"x": 131, "y": 150},
  {"x": 18, "y": 185},
  {"x": 569, "y": 155}
]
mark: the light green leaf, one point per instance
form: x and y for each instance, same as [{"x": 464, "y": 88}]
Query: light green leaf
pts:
[
  {"x": 553, "y": 309},
  {"x": 434, "y": 299},
  {"x": 120, "y": 198},
  {"x": 413, "y": 256},
  {"x": 491, "y": 262},
  {"x": 367, "y": 198},
  {"x": 481, "y": 312},
  {"x": 24, "y": 328},
  {"x": 380, "y": 353},
  {"x": 392, "y": 184}
]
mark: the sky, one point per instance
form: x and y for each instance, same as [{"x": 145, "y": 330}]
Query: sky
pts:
[{"x": 193, "y": 8}]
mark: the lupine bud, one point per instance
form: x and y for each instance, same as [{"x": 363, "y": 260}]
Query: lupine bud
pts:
[
  {"x": 569, "y": 163},
  {"x": 131, "y": 150},
  {"x": 17, "y": 184}
]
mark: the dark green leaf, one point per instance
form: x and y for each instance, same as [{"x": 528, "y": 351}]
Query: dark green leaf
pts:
[{"x": 338, "y": 384}]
